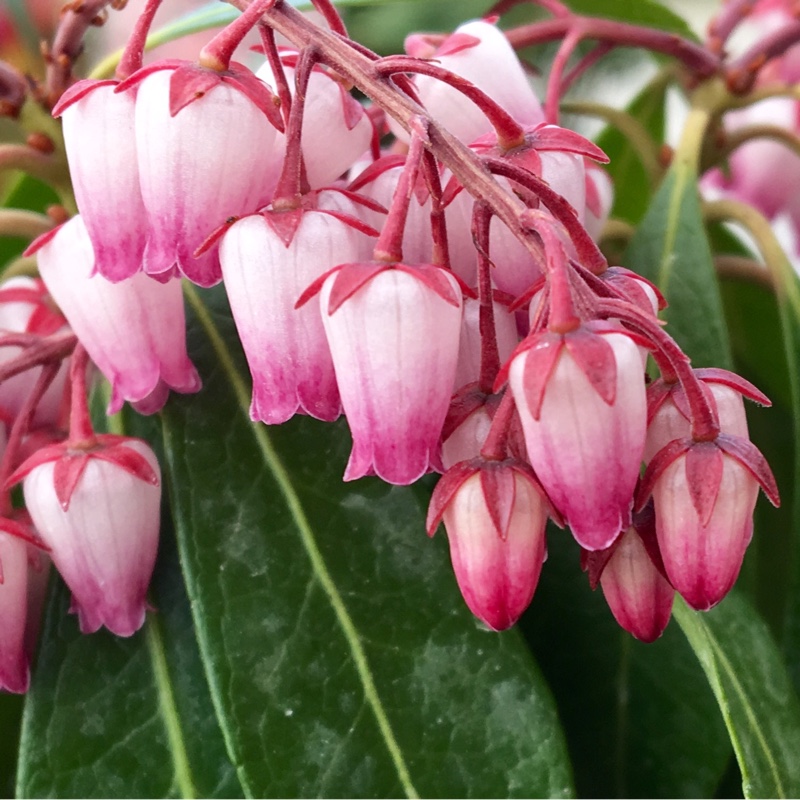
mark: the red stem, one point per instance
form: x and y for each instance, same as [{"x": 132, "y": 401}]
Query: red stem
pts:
[
  {"x": 274, "y": 59},
  {"x": 389, "y": 246},
  {"x": 723, "y": 24},
  {"x": 131, "y": 60},
  {"x": 80, "y": 422},
  {"x": 554, "y": 80},
  {"x": 556, "y": 8},
  {"x": 217, "y": 54},
  {"x": 50, "y": 348},
  {"x": 490, "y": 354},
  {"x": 494, "y": 448},
  {"x": 293, "y": 182},
  {"x": 705, "y": 422},
  {"x": 741, "y": 73},
  {"x": 441, "y": 248},
  {"x": 21, "y": 426},
  {"x": 586, "y": 248},
  {"x": 510, "y": 133},
  {"x": 694, "y": 57},
  {"x": 332, "y": 17},
  {"x": 587, "y": 62}
]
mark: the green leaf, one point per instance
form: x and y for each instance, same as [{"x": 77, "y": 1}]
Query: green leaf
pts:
[
  {"x": 671, "y": 249},
  {"x": 633, "y": 184},
  {"x": 635, "y": 12},
  {"x": 640, "y": 719},
  {"x": 340, "y": 655},
  {"x": 26, "y": 193},
  {"x": 759, "y": 705},
  {"x": 110, "y": 717}
]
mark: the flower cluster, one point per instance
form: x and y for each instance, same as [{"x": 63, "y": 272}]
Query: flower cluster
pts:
[{"x": 445, "y": 292}]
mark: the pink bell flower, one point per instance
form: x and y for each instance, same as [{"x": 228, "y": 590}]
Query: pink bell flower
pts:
[
  {"x": 495, "y": 515},
  {"x": 191, "y": 177},
  {"x": 268, "y": 259},
  {"x": 393, "y": 334},
  {"x": 98, "y": 124},
  {"x": 704, "y": 495},
  {"x": 98, "y": 510},
  {"x": 143, "y": 357},
  {"x": 14, "y": 673},
  {"x": 581, "y": 400}
]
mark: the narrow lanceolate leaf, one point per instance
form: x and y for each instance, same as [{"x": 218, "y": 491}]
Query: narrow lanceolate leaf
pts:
[
  {"x": 640, "y": 719},
  {"x": 341, "y": 657},
  {"x": 759, "y": 705},
  {"x": 112, "y": 717},
  {"x": 671, "y": 249},
  {"x": 636, "y": 12}
]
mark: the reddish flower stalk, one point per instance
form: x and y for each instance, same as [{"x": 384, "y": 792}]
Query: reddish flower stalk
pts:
[
  {"x": 332, "y": 16},
  {"x": 67, "y": 45},
  {"x": 705, "y": 425},
  {"x": 81, "y": 432},
  {"x": 273, "y": 57},
  {"x": 490, "y": 354},
  {"x": 494, "y": 448},
  {"x": 13, "y": 90},
  {"x": 699, "y": 61},
  {"x": 293, "y": 182},
  {"x": 588, "y": 61},
  {"x": 217, "y": 54},
  {"x": 389, "y": 246},
  {"x": 724, "y": 23},
  {"x": 741, "y": 72},
  {"x": 134, "y": 50},
  {"x": 441, "y": 249},
  {"x": 21, "y": 426},
  {"x": 509, "y": 132},
  {"x": 554, "y": 80},
  {"x": 39, "y": 350}
]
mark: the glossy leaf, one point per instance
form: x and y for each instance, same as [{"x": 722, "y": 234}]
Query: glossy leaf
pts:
[
  {"x": 635, "y": 12},
  {"x": 342, "y": 659},
  {"x": 671, "y": 248},
  {"x": 640, "y": 719},
  {"x": 119, "y": 717},
  {"x": 759, "y": 705}
]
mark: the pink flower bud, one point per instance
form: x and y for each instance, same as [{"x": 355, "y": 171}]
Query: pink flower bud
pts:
[
  {"x": 101, "y": 150},
  {"x": 495, "y": 521},
  {"x": 266, "y": 268},
  {"x": 14, "y": 675},
  {"x": 144, "y": 356},
  {"x": 393, "y": 334},
  {"x": 703, "y": 538},
  {"x": 599, "y": 199},
  {"x": 639, "y": 596},
  {"x": 99, "y": 512},
  {"x": 581, "y": 400}
]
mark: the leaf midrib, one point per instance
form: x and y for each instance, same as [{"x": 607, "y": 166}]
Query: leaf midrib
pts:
[{"x": 273, "y": 463}]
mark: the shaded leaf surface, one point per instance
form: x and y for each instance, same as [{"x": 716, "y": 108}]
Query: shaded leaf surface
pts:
[
  {"x": 340, "y": 655},
  {"x": 640, "y": 719},
  {"x": 671, "y": 249},
  {"x": 760, "y": 707},
  {"x": 112, "y": 717}
]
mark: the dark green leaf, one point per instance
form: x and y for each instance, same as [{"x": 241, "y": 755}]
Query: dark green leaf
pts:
[
  {"x": 671, "y": 248},
  {"x": 635, "y": 12},
  {"x": 625, "y": 167},
  {"x": 340, "y": 655},
  {"x": 759, "y": 705},
  {"x": 112, "y": 717},
  {"x": 640, "y": 719}
]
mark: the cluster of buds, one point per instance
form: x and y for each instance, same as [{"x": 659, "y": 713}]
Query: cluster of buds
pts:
[{"x": 446, "y": 293}]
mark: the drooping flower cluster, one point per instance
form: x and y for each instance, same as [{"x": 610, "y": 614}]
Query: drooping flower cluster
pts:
[{"x": 446, "y": 293}]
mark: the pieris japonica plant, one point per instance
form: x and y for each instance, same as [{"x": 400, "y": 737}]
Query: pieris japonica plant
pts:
[{"x": 274, "y": 304}]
